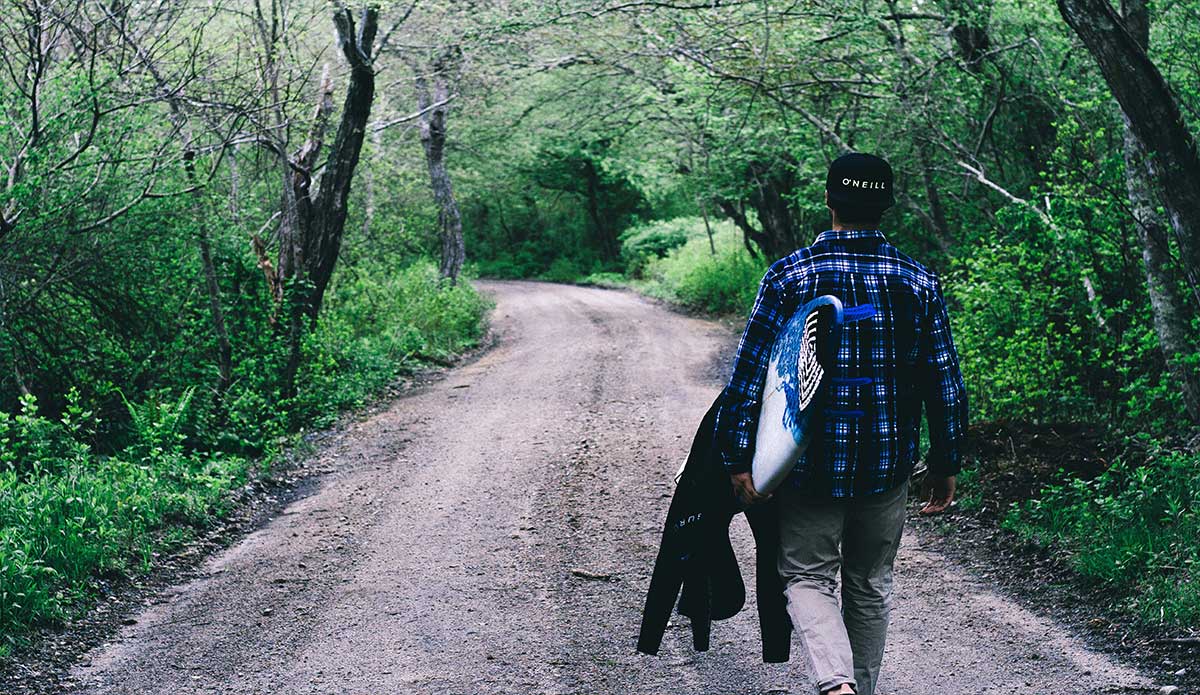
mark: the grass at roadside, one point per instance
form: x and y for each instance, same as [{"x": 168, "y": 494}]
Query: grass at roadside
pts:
[
  {"x": 75, "y": 515},
  {"x": 71, "y": 518},
  {"x": 1134, "y": 528},
  {"x": 1122, "y": 516}
]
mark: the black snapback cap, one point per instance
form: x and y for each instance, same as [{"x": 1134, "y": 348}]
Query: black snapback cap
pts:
[{"x": 861, "y": 180}]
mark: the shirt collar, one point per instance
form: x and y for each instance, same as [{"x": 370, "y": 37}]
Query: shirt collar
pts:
[{"x": 842, "y": 234}]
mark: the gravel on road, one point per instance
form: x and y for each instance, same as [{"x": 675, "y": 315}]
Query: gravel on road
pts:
[{"x": 494, "y": 531}]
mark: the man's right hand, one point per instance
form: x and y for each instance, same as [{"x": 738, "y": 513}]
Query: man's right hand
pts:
[{"x": 743, "y": 487}]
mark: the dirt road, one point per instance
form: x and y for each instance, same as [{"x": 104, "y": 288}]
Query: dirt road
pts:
[{"x": 439, "y": 555}]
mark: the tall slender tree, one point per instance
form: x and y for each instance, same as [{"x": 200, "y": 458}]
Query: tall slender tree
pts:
[
  {"x": 434, "y": 83},
  {"x": 1154, "y": 118}
]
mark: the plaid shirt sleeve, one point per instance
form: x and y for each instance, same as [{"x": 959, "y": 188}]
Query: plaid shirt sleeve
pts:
[
  {"x": 737, "y": 419},
  {"x": 942, "y": 389}
]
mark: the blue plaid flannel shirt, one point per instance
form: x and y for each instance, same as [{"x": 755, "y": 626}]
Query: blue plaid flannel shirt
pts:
[{"x": 905, "y": 349}]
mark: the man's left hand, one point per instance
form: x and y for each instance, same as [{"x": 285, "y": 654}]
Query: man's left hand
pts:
[{"x": 938, "y": 494}]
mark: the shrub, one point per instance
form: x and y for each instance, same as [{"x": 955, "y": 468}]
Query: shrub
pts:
[
  {"x": 724, "y": 282},
  {"x": 504, "y": 267},
  {"x": 377, "y": 325},
  {"x": 563, "y": 269},
  {"x": 1135, "y": 528},
  {"x": 644, "y": 242},
  {"x": 605, "y": 279},
  {"x": 72, "y": 515},
  {"x": 1020, "y": 329},
  {"x": 67, "y": 520}
]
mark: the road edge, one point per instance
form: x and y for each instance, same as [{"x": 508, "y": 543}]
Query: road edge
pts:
[{"x": 44, "y": 665}]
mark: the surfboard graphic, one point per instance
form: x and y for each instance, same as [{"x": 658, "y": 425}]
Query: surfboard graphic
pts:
[
  {"x": 798, "y": 377},
  {"x": 809, "y": 371}
]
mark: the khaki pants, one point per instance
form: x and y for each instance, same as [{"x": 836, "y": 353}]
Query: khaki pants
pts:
[{"x": 858, "y": 537}]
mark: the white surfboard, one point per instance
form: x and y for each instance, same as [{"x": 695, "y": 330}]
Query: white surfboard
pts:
[{"x": 793, "y": 394}]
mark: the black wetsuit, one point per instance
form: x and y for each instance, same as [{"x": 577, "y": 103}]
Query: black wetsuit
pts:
[{"x": 695, "y": 554}]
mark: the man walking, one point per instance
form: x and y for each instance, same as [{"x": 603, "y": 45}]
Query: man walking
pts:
[{"x": 842, "y": 508}]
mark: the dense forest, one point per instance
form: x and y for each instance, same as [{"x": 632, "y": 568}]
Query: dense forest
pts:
[{"x": 225, "y": 221}]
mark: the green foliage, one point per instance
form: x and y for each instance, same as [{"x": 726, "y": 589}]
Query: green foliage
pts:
[
  {"x": 968, "y": 493},
  {"x": 1134, "y": 528},
  {"x": 693, "y": 275},
  {"x": 554, "y": 213},
  {"x": 644, "y": 242},
  {"x": 563, "y": 269},
  {"x": 606, "y": 279},
  {"x": 28, "y": 437},
  {"x": 73, "y": 514},
  {"x": 1020, "y": 349},
  {"x": 156, "y": 426},
  {"x": 70, "y": 516},
  {"x": 1050, "y": 312},
  {"x": 377, "y": 325}
]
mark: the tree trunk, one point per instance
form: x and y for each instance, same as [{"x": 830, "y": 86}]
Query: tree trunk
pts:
[
  {"x": 937, "y": 211},
  {"x": 736, "y": 213},
  {"x": 433, "y": 107},
  {"x": 712, "y": 246},
  {"x": 313, "y": 224},
  {"x": 179, "y": 118},
  {"x": 774, "y": 183},
  {"x": 449, "y": 220},
  {"x": 604, "y": 234},
  {"x": 216, "y": 312},
  {"x": 1154, "y": 119},
  {"x": 333, "y": 198},
  {"x": 224, "y": 347},
  {"x": 1168, "y": 311},
  {"x": 235, "y": 186}
]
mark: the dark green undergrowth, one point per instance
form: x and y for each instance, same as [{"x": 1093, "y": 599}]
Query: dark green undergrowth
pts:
[
  {"x": 75, "y": 515},
  {"x": 378, "y": 323},
  {"x": 1135, "y": 529},
  {"x": 968, "y": 493},
  {"x": 71, "y": 519}
]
